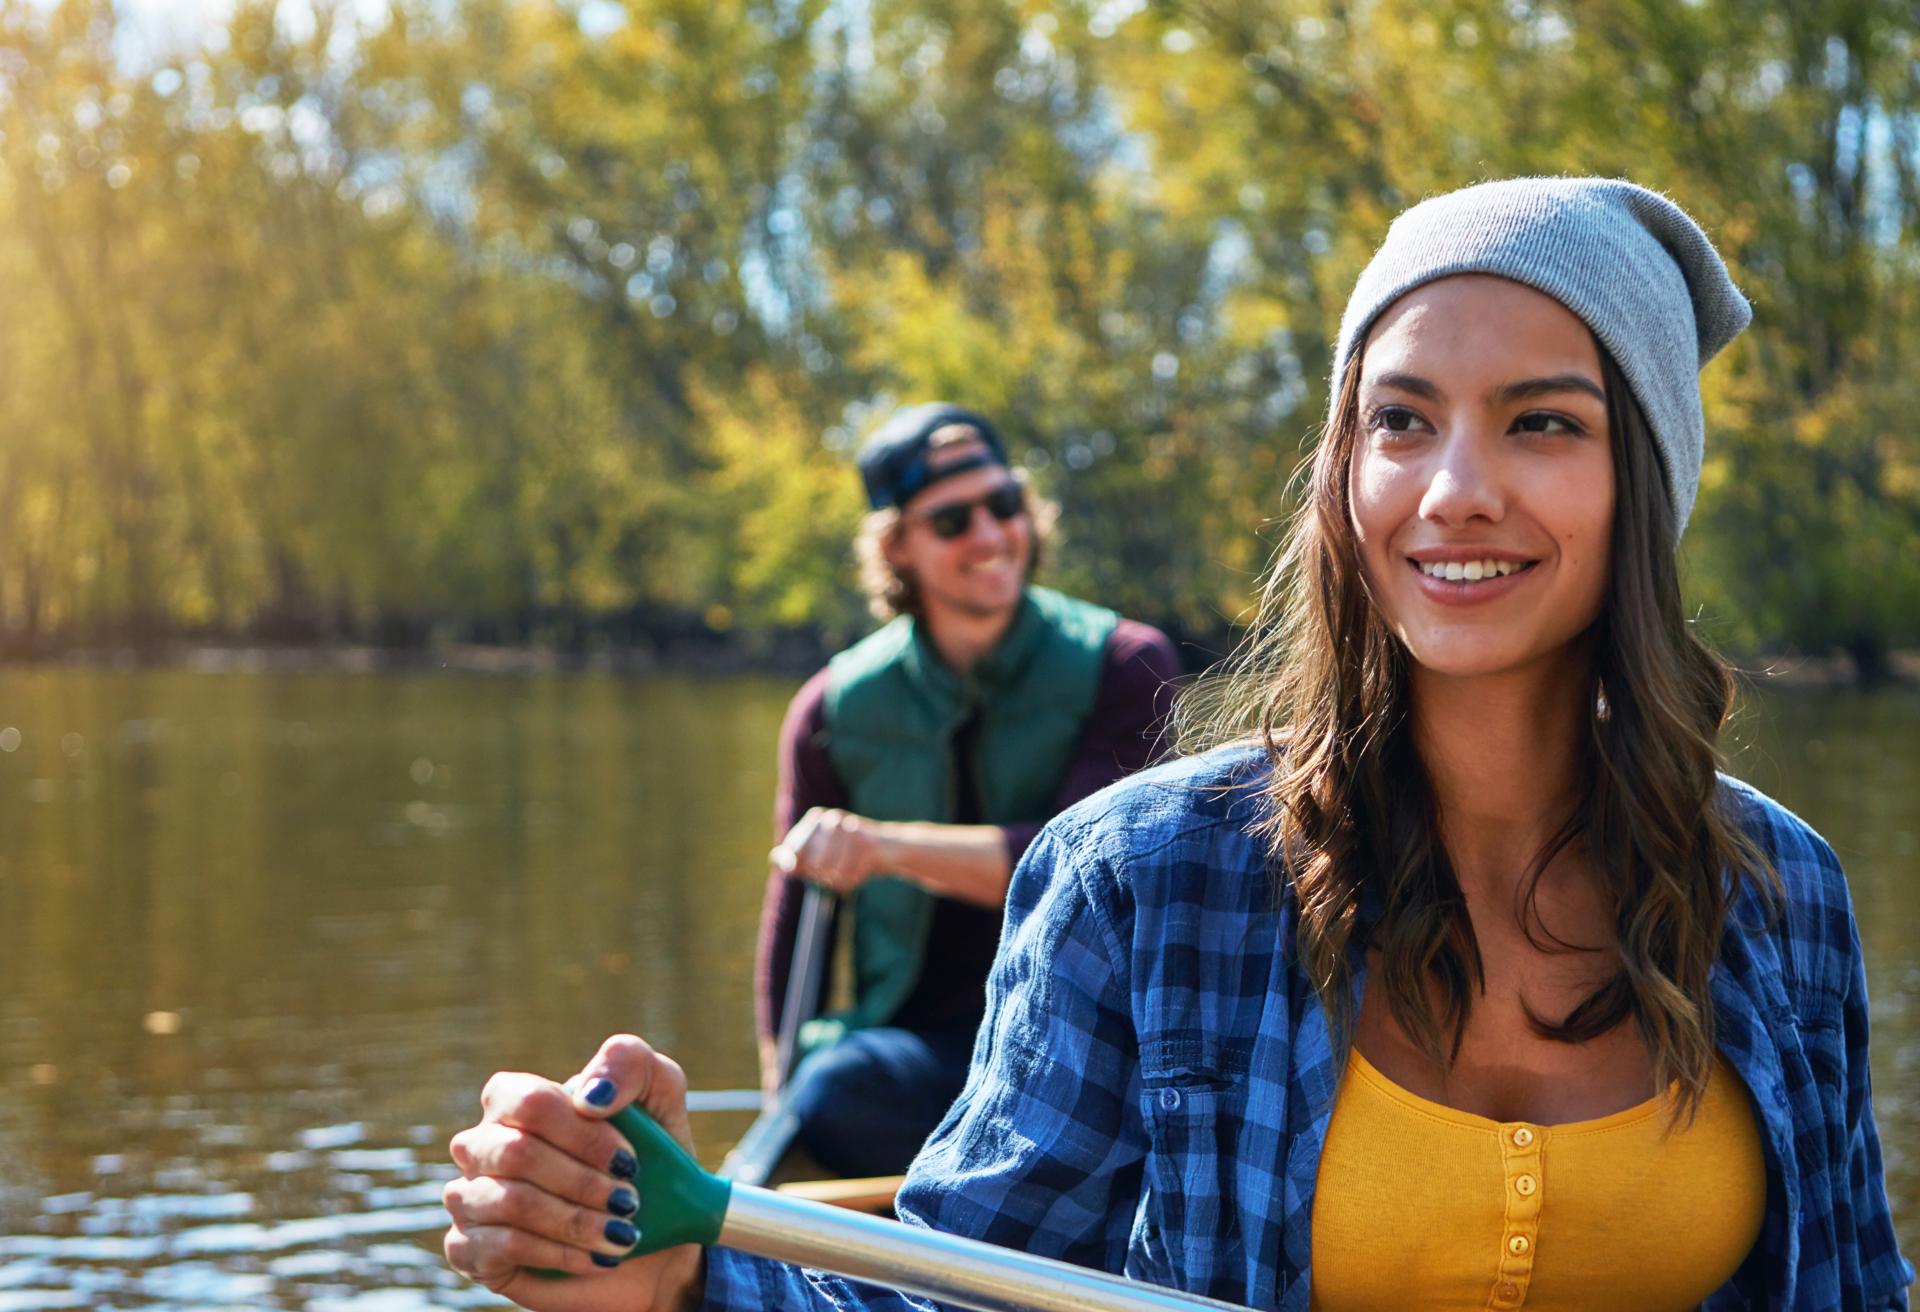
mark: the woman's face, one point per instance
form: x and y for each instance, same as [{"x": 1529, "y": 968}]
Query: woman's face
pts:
[{"x": 1481, "y": 489}]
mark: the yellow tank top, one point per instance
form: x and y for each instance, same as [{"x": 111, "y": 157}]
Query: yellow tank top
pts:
[{"x": 1422, "y": 1207}]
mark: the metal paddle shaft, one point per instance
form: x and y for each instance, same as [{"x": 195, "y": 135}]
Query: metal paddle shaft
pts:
[
  {"x": 760, "y": 1150},
  {"x": 951, "y": 1270},
  {"x": 680, "y": 1203},
  {"x": 725, "y": 1100},
  {"x": 811, "y": 947}
]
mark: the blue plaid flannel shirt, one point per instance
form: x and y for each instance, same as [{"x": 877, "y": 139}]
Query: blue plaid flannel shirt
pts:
[{"x": 1152, "y": 1087}]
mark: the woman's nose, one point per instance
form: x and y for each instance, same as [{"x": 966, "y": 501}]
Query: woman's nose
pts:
[{"x": 1463, "y": 483}]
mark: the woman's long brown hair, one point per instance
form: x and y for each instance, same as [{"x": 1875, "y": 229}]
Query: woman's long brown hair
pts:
[{"x": 1323, "y": 682}]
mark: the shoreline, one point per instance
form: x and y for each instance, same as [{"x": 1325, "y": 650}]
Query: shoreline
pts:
[
  {"x": 1832, "y": 671},
  {"x": 462, "y": 659}
]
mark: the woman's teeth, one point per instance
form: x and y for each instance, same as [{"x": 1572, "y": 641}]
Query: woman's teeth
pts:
[{"x": 1471, "y": 570}]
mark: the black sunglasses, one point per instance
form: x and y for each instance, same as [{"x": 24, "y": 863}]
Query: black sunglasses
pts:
[{"x": 956, "y": 517}]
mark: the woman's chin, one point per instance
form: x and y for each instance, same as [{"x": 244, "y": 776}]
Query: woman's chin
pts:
[{"x": 1477, "y": 659}]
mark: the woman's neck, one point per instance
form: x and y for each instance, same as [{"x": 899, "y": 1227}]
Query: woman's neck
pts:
[{"x": 1503, "y": 754}]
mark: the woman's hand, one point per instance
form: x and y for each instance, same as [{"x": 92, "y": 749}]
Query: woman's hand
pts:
[{"x": 545, "y": 1182}]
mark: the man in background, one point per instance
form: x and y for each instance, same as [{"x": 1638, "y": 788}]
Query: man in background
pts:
[{"x": 917, "y": 766}]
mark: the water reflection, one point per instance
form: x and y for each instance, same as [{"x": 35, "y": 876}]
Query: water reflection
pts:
[
  {"x": 264, "y": 936},
  {"x": 1849, "y": 763},
  {"x": 258, "y": 957}
]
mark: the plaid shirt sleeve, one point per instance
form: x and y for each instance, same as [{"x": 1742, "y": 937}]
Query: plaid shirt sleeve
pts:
[
  {"x": 1043, "y": 1149},
  {"x": 1884, "y": 1274},
  {"x": 1847, "y": 1255}
]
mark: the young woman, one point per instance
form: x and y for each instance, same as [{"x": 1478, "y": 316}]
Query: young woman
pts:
[{"x": 1466, "y": 981}]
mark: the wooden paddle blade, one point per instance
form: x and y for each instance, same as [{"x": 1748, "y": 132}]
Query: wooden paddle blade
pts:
[{"x": 873, "y": 1194}]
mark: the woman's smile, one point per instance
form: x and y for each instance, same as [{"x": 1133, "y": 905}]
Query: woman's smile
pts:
[{"x": 1456, "y": 576}]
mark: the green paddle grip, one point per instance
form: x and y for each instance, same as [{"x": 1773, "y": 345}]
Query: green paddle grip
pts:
[{"x": 680, "y": 1203}]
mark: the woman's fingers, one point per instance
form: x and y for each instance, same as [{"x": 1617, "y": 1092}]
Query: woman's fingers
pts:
[
  {"x": 540, "y": 1184},
  {"x": 508, "y": 1261},
  {"x": 550, "y": 1117},
  {"x": 489, "y": 1201},
  {"x": 497, "y": 1256},
  {"x": 506, "y": 1152},
  {"x": 492, "y": 1255},
  {"x": 547, "y": 1183},
  {"x": 628, "y": 1070}
]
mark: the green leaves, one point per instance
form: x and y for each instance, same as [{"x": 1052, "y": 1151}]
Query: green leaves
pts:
[{"x": 473, "y": 319}]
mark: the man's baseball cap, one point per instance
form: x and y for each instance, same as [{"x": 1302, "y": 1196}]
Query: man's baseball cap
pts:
[{"x": 896, "y": 462}]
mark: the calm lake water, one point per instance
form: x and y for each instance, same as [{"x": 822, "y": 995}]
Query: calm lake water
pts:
[{"x": 263, "y": 936}]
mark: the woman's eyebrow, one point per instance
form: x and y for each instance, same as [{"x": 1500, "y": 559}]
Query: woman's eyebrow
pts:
[
  {"x": 1527, "y": 389},
  {"x": 1413, "y": 384}
]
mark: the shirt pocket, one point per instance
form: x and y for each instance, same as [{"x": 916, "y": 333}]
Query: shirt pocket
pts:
[{"x": 1193, "y": 1095}]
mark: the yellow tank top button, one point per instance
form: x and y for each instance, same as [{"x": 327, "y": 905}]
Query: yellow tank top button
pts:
[
  {"x": 1522, "y": 1137},
  {"x": 1509, "y": 1290},
  {"x": 1525, "y": 1185},
  {"x": 1518, "y": 1245}
]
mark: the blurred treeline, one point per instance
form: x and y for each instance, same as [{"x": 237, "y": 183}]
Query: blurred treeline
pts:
[{"x": 514, "y": 320}]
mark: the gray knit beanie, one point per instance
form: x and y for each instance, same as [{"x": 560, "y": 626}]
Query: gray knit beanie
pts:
[{"x": 1628, "y": 261}]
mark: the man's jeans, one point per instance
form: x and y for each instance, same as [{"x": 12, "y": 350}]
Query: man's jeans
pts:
[{"x": 867, "y": 1103}]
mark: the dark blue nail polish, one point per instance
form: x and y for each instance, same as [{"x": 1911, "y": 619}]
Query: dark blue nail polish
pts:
[
  {"x": 600, "y": 1093},
  {"x": 622, "y": 1202},
  {"x": 622, "y": 1166},
  {"x": 601, "y": 1259},
  {"x": 621, "y": 1233}
]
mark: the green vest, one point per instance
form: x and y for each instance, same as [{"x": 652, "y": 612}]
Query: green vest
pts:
[{"x": 892, "y": 709}]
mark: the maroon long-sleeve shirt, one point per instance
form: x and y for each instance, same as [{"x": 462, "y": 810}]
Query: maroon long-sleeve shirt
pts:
[{"x": 1123, "y": 733}]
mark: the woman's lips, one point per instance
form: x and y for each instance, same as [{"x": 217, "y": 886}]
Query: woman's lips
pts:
[{"x": 1465, "y": 591}]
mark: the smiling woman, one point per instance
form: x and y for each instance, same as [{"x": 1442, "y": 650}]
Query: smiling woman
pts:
[{"x": 1424, "y": 987}]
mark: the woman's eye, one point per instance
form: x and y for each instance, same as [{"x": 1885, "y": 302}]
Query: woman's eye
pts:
[
  {"x": 1541, "y": 422},
  {"x": 1393, "y": 419}
]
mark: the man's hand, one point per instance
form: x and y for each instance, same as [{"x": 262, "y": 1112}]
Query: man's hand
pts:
[
  {"x": 842, "y": 851},
  {"x": 546, "y": 1182},
  {"x": 831, "y": 847}
]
